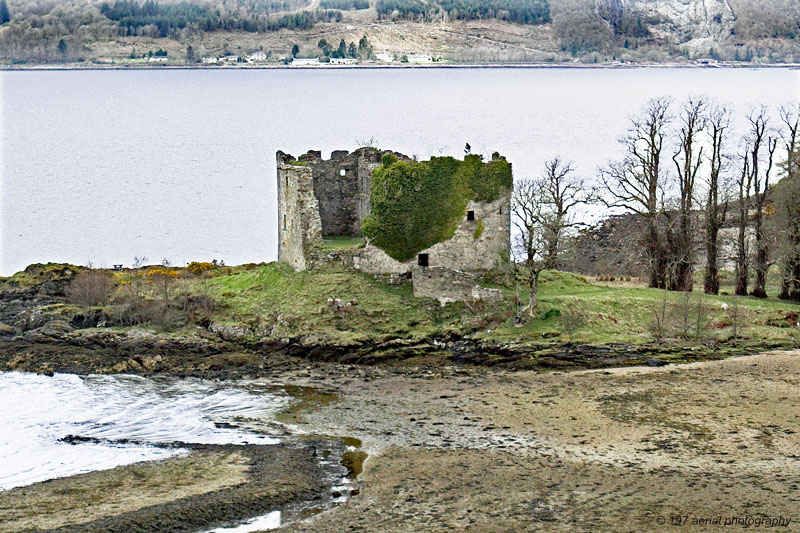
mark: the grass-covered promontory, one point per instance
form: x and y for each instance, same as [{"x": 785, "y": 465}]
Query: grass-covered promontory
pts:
[{"x": 333, "y": 306}]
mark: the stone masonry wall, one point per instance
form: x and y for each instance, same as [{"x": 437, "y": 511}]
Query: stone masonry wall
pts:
[
  {"x": 299, "y": 228},
  {"x": 463, "y": 251},
  {"x": 448, "y": 285},
  {"x": 337, "y": 194},
  {"x": 319, "y": 198}
]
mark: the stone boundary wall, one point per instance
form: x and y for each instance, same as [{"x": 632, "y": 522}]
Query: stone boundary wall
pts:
[{"x": 449, "y": 285}]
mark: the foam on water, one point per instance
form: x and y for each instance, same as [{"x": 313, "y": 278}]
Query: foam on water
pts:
[
  {"x": 36, "y": 412},
  {"x": 259, "y": 523}
]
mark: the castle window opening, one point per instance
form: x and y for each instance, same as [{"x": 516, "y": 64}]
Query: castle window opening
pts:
[
  {"x": 470, "y": 215},
  {"x": 422, "y": 260},
  {"x": 284, "y": 222},
  {"x": 501, "y": 210},
  {"x": 342, "y": 172}
]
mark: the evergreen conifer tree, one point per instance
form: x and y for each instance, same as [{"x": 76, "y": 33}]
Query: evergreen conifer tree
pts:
[{"x": 5, "y": 16}]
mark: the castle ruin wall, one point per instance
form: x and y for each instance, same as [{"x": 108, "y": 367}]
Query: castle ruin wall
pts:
[
  {"x": 468, "y": 249},
  {"x": 320, "y": 198}
]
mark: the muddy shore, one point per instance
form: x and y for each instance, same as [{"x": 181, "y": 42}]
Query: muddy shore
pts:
[
  {"x": 213, "y": 486},
  {"x": 464, "y": 448},
  {"x": 611, "y": 450}
]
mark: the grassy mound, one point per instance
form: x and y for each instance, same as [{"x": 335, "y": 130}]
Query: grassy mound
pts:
[{"x": 337, "y": 305}]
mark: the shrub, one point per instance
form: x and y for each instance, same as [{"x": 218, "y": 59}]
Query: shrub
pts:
[
  {"x": 737, "y": 315},
  {"x": 388, "y": 160},
  {"x": 572, "y": 318},
  {"x": 199, "y": 308},
  {"x": 90, "y": 287},
  {"x": 198, "y": 268},
  {"x": 551, "y": 313},
  {"x": 659, "y": 319}
]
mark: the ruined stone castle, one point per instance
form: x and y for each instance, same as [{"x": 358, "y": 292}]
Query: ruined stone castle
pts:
[{"x": 321, "y": 204}]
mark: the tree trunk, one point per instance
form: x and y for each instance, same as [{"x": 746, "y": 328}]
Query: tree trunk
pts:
[
  {"x": 741, "y": 260},
  {"x": 794, "y": 292},
  {"x": 761, "y": 274},
  {"x": 711, "y": 279},
  {"x": 786, "y": 284},
  {"x": 760, "y": 265},
  {"x": 790, "y": 287},
  {"x": 686, "y": 262},
  {"x": 657, "y": 264}
]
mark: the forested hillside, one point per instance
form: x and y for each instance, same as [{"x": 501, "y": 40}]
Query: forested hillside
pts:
[{"x": 525, "y": 31}]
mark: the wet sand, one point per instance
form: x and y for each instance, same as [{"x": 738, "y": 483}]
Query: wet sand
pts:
[
  {"x": 215, "y": 485},
  {"x": 602, "y": 450},
  {"x": 458, "y": 448}
]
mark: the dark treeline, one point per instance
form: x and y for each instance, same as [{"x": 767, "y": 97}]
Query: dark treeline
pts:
[
  {"x": 138, "y": 19},
  {"x": 346, "y": 5},
  {"x": 519, "y": 11},
  {"x": 599, "y": 26},
  {"x": 760, "y": 31}
]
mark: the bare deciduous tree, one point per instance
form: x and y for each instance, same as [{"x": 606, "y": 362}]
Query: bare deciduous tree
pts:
[
  {"x": 759, "y": 138},
  {"x": 744, "y": 185},
  {"x": 530, "y": 243},
  {"x": 90, "y": 287},
  {"x": 688, "y": 158},
  {"x": 787, "y": 200},
  {"x": 559, "y": 193},
  {"x": 716, "y": 205},
  {"x": 636, "y": 184}
]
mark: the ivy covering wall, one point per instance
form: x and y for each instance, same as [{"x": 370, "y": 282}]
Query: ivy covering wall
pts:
[{"x": 416, "y": 204}]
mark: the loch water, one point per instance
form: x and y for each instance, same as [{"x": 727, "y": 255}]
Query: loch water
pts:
[{"x": 101, "y": 166}]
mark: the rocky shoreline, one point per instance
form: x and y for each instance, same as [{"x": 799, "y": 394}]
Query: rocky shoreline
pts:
[
  {"x": 57, "y": 347},
  {"x": 41, "y": 332}
]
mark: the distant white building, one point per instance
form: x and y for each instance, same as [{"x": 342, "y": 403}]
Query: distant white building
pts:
[
  {"x": 230, "y": 58},
  {"x": 158, "y": 59},
  {"x": 386, "y": 57},
  {"x": 210, "y": 60},
  {"x": 305, "y": 61},
  {"x": 257, "y": 56},
  {"x": 342, "y": 61},
  {"x": 419, "y": 58}
]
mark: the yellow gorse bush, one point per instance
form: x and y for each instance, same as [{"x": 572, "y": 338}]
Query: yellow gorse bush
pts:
[
  {"x": 161, "y": 273},
  {"x": 198, "y": 267}
]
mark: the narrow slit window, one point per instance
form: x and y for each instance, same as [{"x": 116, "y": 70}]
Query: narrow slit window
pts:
[
  {"x": 284, "y": 222},
  {"x": 470, "y": 215},
  {"x": 422, "y": 260}
]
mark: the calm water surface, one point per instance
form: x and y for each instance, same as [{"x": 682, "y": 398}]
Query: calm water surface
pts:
[{"x": 103, "y": 166}]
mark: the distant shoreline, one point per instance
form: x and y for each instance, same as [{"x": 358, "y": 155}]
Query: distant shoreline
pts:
[{"x": 719, "y": 65}]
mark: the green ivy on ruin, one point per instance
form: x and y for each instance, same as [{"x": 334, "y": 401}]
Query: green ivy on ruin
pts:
[{"x": 416, "y": 204}]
